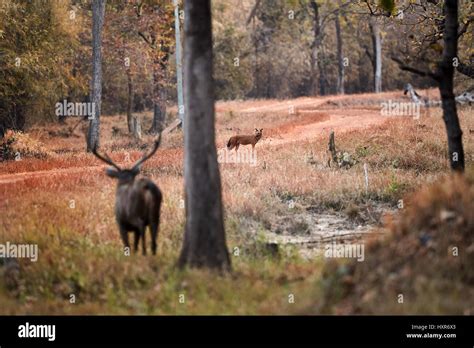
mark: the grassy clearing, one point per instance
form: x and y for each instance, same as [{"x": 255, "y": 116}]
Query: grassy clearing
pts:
[{"x": 69, "y": 214}]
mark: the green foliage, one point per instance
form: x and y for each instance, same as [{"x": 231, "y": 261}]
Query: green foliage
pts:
[
  {"x": 38, "y": 54},
  {"x": 387, "y": 5},
  {"x": 232, "y": 73}
]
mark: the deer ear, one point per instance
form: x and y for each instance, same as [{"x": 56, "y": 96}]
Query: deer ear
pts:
[
  {"x": 256, "y": 129},
  {"x": 261, "y": 129},
  {"x": 112, "y": 172}
]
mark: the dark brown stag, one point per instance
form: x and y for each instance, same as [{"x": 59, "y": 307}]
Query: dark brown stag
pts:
[{"x": 137, "y": 201}]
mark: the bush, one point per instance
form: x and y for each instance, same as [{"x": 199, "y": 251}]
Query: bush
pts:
[
  {"x": 15, "y": 145},
  {"x": 428, "y": 257}
]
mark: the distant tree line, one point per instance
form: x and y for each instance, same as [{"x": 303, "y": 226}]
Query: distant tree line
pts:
[{"x": 262, "y": 49}]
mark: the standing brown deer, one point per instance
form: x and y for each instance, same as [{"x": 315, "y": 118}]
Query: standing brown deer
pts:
[
  {"x": 238, "y": 140},
  {"x": 137, "y": 201}
]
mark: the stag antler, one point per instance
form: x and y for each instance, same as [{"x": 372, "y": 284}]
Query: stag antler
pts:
[
  {"x": 105, "y": 159},
  {"x": 152, "y": 152}
]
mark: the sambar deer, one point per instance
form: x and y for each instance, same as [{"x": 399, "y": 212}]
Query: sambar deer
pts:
[
  {"x": 137, "y": 201},
  {"x": 237, "y": 140}
]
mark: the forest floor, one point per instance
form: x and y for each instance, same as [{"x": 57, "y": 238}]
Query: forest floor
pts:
[{"x": 283, "y": 206}]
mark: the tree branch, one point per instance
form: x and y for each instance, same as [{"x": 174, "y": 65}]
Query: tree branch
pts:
[
  {"x": 144, "y": 38},
  {"x": 253, "y": 12},
  {"x": 414, "y": 70},
  {"x": 465, "y": 26},
  {"x": 467, "y": 70}
]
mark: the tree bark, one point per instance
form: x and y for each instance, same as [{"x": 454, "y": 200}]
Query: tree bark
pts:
[
  {"x": 98, "y": 10},
  {"x": 340, "y": 58},
  {"x": 377, "y": 53},
  {"x": 204, "y": 238},
  {"x": 332, "y": 149},
  {"x": 315, "y": 47},
  {"x": 159, "y": 101},
  {"x": 466, "y": 69},
  {"x": 129, "y": 101},
  {"x": 322, "y": 73},
  {"x": 445, "y": 74},
  {"x": 179, "y": 62}
]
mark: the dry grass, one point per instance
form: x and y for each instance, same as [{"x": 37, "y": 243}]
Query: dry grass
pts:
[
  {"x": 80, "y": 251},
  {"x": 428, "y": 258}
]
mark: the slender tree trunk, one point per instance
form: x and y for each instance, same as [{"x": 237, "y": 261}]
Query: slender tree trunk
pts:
[
  {"x": 129, "y": 101},
  {"x": 445, "y": 74},
  {"x": 179, "y": 62},
  {"x": 269, "y": 84},
  {"x": 98, "y": 10},
  {"x": 363, "y": 81},
  {"x": 315, "y": 48},
  {"x": 204, "y": 238},
  {"x": 377, "y": 53},
  {"x": 159, "y": 102},
  {"x": 340, "y": 58},
  {"x": 322, "y": 73},
  {"x": 257, "y": 67}
]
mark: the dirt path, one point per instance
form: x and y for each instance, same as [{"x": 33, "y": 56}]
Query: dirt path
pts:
[
  {"x": 12, "y": 178},
  {"x": 338, "y": 120}
]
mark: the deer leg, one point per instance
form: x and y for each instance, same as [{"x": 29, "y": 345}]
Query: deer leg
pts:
[
  {"x": 237, "y": 147},
  {"x": 124, "y": 236},
  {"x": 136, "y": 240},
  {"x": 154, "y": 235},
  {"x": 142, "y": 233}
]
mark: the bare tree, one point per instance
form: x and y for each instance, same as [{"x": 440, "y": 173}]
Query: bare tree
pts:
[
  {"x": 204, "y": 238},
  {"x": 443, "y": 75},
  {"x": 98, "y": 11},
  {"x": 377, "y": 53},
  {"x": 316, "y": 59},
  {"x": 129, "y": 100},
  {"x": 340, "y": 58}
]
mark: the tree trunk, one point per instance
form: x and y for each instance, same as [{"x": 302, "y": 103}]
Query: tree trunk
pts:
[
  {"x": 332, "y": 149},
  {"x": 159, "y": 103},
  {"x": 322, "y": 73},
  {"x": 257, "y": 68},
  {"x": 98, "y": 10},
  {"x": 315, "y": 47},
  {"x": 445, "y": 74},
  {"x": 377, "y": 54},
  {"x": 129, "y": 101},
  {"x": 340, "y": 58},
  {"x": 179, "y": 62},
  {"x": 204, "y": 238}
]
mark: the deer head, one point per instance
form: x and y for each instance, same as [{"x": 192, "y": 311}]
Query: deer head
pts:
[{"x": 125, "y": 176}]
